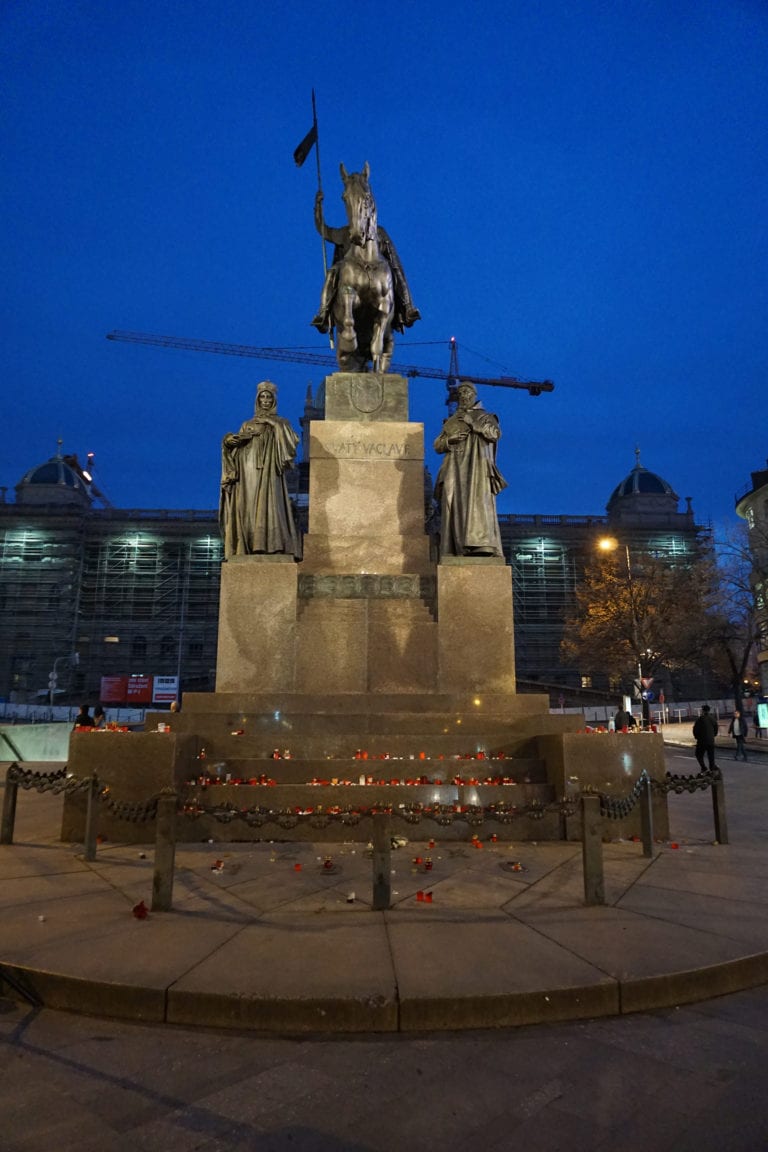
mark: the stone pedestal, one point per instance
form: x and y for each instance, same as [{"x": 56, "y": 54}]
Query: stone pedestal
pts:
[
  {"x": 257, "y": 624},
  {"x": 476, "y": 642},
  {"x": 366, "y": 480},
  {"x": 135, "y": 766},
  {"x": 365, "y": 644}
]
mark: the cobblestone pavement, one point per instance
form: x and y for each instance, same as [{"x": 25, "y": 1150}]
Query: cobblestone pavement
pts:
[
  {"x": 685, "y": 1080},
  {"x": 688, "y": 1079}
]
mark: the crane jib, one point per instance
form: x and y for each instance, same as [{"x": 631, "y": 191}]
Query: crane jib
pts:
[{"x": 322, "y": 359}]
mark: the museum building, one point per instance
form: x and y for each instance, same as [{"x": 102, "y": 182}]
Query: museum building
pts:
[
  {"x": 752, "y": 506},
  {"x": 88, "y": 591}
]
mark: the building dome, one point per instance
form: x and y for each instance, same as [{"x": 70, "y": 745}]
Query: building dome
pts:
[
  {"x": 641, "y": 494},
  {"x": 54, "y": 482},
  {"x": 641, "y": 481}
]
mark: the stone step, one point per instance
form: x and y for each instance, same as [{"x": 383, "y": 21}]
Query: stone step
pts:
[
  {"x": 300, "y": 771},
  {"x": 397, "y": 734},
  {"x": 503, "y": 705},
  {"x": 346, "y": 744}
]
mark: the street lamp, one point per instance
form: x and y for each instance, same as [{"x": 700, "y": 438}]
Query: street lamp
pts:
[
  {"x": 610, "y": 544},
  {"x": 73, "y": 659}
]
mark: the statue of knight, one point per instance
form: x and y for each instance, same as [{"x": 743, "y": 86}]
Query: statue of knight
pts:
[{"x": 365, "y": 294}]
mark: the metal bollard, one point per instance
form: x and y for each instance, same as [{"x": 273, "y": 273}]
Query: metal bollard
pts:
[
  {"x": 592, "y": 850},
  {"x": 165, "y": 852},
  {"x": 718, "y": 811},
  {"x": 9, "y": 807},
  {"x": 646, "y": 817},
  {"x": 382, "y": 855},
  {"x": 91, "y": 819}
]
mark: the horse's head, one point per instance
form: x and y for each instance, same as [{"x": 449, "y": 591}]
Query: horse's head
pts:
[{"x": 360, "y": 205}]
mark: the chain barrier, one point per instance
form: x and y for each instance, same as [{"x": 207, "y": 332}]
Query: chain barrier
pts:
[
  {"x": 619, "y": 807},
  {"x": 707, "y": 778},
  {"x": 143, "y": 811},
  {"x": 56, "y": 782},
  {"x": 442, "y": 814},
  {"x": 132, "y": 811}
]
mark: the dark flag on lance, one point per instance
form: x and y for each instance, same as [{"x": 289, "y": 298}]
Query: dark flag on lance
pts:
[{"x": 306, "y": 146}]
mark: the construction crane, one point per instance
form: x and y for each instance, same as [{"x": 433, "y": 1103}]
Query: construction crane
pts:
[{"x": 324, "y": 359}]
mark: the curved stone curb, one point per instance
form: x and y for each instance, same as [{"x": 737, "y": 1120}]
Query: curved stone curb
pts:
[{"x": 345, "y": 1015}]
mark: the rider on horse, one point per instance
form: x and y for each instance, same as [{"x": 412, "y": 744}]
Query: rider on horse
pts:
[{"x": 404, "y": 314}]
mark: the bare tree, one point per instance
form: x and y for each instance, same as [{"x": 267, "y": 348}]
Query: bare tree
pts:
[
  {"x": 642, "y": 614},
  {"x": 734, "y": 619}
]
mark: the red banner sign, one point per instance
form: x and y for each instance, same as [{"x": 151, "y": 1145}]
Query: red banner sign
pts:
[
  {"x": 139, "y": 690},
  {"x": 113, "y": 689}
]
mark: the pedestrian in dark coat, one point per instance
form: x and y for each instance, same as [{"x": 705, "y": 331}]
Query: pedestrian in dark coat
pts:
[
  {"x": 84, "y": 718},
  {"x": 738, "y": 728},
  {"x": 624, "y": 720},
  {"x": 704, "y": 731}
]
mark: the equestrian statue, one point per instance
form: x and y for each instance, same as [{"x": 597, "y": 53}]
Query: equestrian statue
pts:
[{"x": 365, "y": 295}]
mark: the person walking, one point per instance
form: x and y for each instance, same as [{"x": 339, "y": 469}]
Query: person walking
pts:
[
  {"x": 705, "y": 730},
  {"x": 738, "y": 728}
]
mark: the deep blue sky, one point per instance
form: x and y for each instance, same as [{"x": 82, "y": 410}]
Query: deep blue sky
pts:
[{"x": 577, "y": 191}]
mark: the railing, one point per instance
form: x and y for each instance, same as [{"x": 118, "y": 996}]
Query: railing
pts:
[
  {"x": 598, "y": 807},
  {"x": 168, "y": 806}
]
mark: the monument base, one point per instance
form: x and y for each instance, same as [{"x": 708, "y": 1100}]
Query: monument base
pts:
[
  {"x": 365, "y": 677},
  {"x": 284, "y": 766}
]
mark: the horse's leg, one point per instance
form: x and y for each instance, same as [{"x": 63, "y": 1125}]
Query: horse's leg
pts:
[
  {"x": 381, "y": 331},
  {"x": 381, "y": 339},
  {"x": 388, "y": 345},
  {"x": 346, "y": 337},
  {"x": 348, "y": 354}
]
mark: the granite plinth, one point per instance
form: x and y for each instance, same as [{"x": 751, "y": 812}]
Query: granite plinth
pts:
[
  {"x": 134, "y": 765},
  {"x": 476, "y": 644},
  {"x": 366, "y": 498},
  {"x": 257, "y": 624},
  {"x": 608, "y": 762},
  {"x": 365, "y": 645},
  {"x": 366, "y": 396}
]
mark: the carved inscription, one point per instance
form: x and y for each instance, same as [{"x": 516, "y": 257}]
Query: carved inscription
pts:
[{"x": 363, "y": 450}]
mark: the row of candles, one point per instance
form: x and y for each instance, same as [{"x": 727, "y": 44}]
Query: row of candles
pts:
[
  {"x": 208, "y": 781},
  {"x": 196, "y": 809},
  {"x": 361, "y": 754},
  {"x": 588, "y": 731}
]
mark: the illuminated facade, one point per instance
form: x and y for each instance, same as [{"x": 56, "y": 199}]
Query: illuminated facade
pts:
[
  {"x": 548, "y": 555},
  {"x": 128, "y": 592},
  {"x": 136, "y": 592},
  {"x": 752, "y": 506}
]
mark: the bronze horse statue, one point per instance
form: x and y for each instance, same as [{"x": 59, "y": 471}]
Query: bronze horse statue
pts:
[{"x": 365, "y": 295}]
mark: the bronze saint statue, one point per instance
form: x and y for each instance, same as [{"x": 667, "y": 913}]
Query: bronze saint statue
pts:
[
  {"x": 255, "y": 513},
  {"x": 469, "y": 481},
  {"x": 365, "y": 295}
]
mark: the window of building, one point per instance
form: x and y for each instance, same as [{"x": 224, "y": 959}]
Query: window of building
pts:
[
  {"x": 138, "y": 650},
  {"x": 586, "y": 681}
]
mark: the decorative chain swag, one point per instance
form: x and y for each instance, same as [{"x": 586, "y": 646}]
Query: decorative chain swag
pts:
[
  {"x": 55, "y": 782},
  {"x": 618, "y": 807}
]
